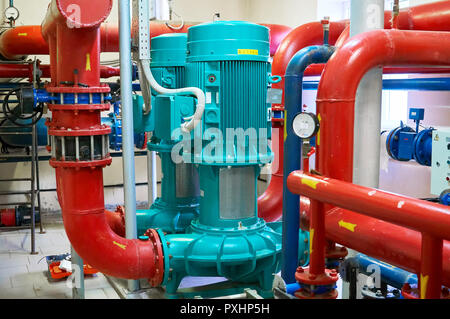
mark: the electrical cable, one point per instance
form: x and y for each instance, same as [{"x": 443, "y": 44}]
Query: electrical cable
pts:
[{"x": 14, "y": 117}]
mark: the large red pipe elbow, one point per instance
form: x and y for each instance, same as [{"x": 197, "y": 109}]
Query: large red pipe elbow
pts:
[
  {"x": 277, "y": 34},
  {"x": 434, "y": 16},
  {"x": 342, "y": 74},
  {"x": 116, "y": 221},
  {"x": 87, "y": 228},
  {"x": 431, "y": 17}
]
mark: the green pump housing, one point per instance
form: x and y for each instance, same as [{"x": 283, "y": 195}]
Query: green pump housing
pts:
[
  {"x": 179, "y": 201},
  {"x": 229, "y": 61}
]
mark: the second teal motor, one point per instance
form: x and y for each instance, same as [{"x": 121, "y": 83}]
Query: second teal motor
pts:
[{"x": 178, "y": 204}]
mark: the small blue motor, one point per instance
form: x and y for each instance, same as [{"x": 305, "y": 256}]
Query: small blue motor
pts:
[
  {"x": 445, "y": 197},
  {"x": 404, "y": 143}
]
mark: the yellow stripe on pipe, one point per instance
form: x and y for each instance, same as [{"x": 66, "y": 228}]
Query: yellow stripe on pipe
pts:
[
  {"x": 318, "y": 132},
  {"x": 88, "y": 62},
  {"x": 310, "y": 182},
  {"x": 423, "y": 286},
  {"x": 311, "y": 238},
  {"x": 120, "y": 245}
]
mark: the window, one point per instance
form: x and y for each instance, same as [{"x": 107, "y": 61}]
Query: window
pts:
[{"x": 394, "y": 105}]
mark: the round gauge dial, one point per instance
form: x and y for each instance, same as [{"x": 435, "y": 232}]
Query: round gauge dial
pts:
[
  {"x": 305, "y": 125},
  {"x": 12, "y": 13}
]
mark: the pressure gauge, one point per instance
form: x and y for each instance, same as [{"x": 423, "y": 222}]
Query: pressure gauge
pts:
[
  {"x": 11, "y": 13},
  {"x": 305, "y": 125}
]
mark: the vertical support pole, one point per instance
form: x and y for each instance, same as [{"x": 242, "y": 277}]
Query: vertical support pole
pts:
[
  {"x": 430, "y": 277},
  {"x": 33, "y": 191},
  {"x": 38, "y": 183},
  {"x": 366, "y": 15},
  {"x": 77, "y": 275},
  {"x": 127, "y": 125},
  {"x": 317, "y": 239}
]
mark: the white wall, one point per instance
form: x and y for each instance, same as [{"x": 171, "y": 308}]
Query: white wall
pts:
[
  {"x": 292, "y": 13},
  {"x": 410, "y": 178},
  {"x": 288, "y": 12},
  {"x": 204, "y": 10}
]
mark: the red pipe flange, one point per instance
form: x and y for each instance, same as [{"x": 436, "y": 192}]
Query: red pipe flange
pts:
[
  {"x": 414, "y": 293},
  {"x": 310, "y": 282},
  {"x": 154, "y": 238}
]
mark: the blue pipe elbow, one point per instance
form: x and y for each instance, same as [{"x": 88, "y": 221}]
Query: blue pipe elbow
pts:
[{"x": 391, "y": 275}]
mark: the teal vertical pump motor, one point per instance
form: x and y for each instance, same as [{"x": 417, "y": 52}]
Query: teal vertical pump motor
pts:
[
  {"x": 229, "y": 61},
  {"x": 179, "y": 201}
]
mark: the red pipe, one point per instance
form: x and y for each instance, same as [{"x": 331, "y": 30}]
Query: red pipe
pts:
[
  {"x": 21, "y": 41},
  {"x": 430, "y": 270},
  {"x": 430, "y": 17},
  {"x": 270, "y": 202},
  {"x": 26, "y": 71},
  {"x": 433, "y": 220},
  {"x": 337, "y": 89},
  {"x": 398, "y": 246},
  {"x": 277, "y": 34},
  {"x": 80, "y": 183},
  {"x": 434, "y": 16},
  {"x": 116, "y": 221},
  {"x": 415, "y": 214}
]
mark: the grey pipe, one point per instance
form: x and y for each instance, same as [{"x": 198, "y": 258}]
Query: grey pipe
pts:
[
  {"x": 366, "y": 15},
  {"x": 127, "y": 126}
]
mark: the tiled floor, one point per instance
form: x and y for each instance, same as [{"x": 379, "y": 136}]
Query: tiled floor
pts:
[{"x": 26, "y": 276}]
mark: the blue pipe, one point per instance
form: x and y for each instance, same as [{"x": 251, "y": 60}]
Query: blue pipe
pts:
[
  {"x": 430, "y": 84},
  {"x": 391, "y": 275},
  {"x": 292, "y": 288},
  {"x": 292, "y": 152}
]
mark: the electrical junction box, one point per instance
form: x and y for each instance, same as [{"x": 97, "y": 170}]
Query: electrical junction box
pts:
[
  {"x": 440, "y": 157},
  {"x": 416, "y": 114},
  {"x": 170, "y": 111}
]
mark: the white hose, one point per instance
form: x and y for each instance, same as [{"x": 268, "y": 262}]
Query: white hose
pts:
[
  {"x": 146, "y": 92},
  {"x": 198, "y": 93}
]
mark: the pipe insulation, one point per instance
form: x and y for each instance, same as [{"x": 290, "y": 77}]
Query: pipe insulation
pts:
[{"x": 367, "y": 15}]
